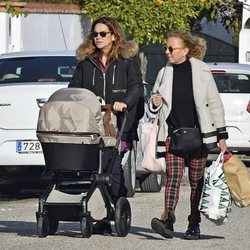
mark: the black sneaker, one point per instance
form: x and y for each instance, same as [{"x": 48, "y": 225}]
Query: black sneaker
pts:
[
  {"x": 102, "y": 227},
  {"x": 164, "y": 228},
  {"x": 193, "y": 233}
]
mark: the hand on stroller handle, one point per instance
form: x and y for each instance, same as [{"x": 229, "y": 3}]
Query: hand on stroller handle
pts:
[
  {"x": 108, "y": 107},
  {"x": 125, "y": 111},
  {"x": 119, "y": 106}
]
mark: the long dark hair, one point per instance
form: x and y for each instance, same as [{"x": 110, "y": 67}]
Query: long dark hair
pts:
[{"x": 88, "y": 48}]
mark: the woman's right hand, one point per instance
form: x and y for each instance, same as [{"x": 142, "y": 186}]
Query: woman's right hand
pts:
[{"x": 157, "y": 100}]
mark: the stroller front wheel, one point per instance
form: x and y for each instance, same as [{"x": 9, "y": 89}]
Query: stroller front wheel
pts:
[
  {"x": 122, "y": 217},
  {"x": 86, "y": 226},
  {"x": 43, "y": 226}
]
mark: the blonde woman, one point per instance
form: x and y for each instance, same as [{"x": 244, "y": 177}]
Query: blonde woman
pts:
[{"x": 186, "y": 96}]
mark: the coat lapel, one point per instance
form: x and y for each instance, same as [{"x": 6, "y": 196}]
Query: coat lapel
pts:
[
  {"x": 166, "y": 85},
  {"x": 199, "y": 87}
]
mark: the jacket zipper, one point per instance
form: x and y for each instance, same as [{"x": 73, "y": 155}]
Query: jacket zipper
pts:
[
  {"x": 104, "y": 86},
  {"x": 113, "y": 78},
  {"x": 93, "y": 78},
  {"x": 104, "y": 77}
]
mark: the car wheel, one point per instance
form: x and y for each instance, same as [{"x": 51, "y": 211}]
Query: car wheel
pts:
[
  {"x": 129, "y": 169},
  {"x": 150, "y": 182}
]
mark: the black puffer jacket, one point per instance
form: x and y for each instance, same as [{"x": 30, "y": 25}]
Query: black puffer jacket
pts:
[{"x": 122, "y": 82}]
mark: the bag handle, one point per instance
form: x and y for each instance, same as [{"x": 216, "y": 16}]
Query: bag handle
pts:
[
  {"x": 218, "y": 162},
  {"x": 220, "y": 158},
  {"x": 227, "y": 156},
  {"x": 156, "y": 119}
]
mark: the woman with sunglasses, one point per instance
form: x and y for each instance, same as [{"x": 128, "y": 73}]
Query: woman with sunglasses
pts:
[
  {"x": 186, "y": 96},
  {"x": 110, "y": 68}
]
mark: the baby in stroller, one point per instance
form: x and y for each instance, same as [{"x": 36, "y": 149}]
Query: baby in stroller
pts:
[{"x": 79, "y": 162}]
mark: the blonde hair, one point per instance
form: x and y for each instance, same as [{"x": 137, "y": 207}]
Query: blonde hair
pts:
[
  {"x": 196, "y": 45},
  {"x": 120, "y": 45}
]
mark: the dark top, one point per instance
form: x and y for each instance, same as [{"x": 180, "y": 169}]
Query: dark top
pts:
[
  {"x": 183, "y": 113},
  {"x": 120, "y": 81}
]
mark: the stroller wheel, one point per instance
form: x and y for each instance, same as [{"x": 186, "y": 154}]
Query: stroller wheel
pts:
[
  {"x": 122, "y": 217},
  {"x": 86, "y": 226},
  {"x": 43, "y": 226},
  {"x": 53, "y": 226}
]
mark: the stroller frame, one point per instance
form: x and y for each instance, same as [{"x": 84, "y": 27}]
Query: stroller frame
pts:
[{"x": 82, "y": 183}]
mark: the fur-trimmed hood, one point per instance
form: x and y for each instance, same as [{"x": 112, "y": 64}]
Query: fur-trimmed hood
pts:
[{"x": 127, "y": 51}]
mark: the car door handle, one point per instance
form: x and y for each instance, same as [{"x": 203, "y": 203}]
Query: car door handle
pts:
[{"x": 40, "y": 101}]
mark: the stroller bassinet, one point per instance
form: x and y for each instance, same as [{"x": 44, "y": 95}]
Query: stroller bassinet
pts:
[{"x": 79, "y": 164}]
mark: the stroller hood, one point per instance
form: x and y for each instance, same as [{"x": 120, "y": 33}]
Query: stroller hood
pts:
[{"x": 70, "y": 110}]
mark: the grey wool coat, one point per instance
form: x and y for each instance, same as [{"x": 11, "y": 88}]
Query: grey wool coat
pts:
[{"x": 209, "y": 107}]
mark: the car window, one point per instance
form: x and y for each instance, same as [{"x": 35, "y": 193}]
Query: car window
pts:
[
  {"x": 37, "y": 69},
  {"x": 232, "y": 83}
]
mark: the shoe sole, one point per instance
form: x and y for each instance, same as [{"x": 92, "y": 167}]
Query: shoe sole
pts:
[{"x": 160, "y": 229}]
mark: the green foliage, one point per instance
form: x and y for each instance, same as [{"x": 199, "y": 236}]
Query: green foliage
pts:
[
  {"x": 10, "y": 9},
  {"x": 229, "y": 13},
  {"x": 13, "y": 12},
  {"x": 148, "y": 21},
  {"x": 145, "y": 20},
  {"x": 54, "y": 1}
]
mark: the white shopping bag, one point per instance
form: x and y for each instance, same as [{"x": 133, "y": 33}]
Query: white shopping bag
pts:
[
  {"x": 148, "y": 140},
  {"x": 215, "y": 202}
]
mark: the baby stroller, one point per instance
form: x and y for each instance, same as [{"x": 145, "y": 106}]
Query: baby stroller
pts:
[{"x": 79, "y": 164}]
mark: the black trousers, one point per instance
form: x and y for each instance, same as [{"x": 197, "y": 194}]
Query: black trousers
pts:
[{"x": 118, "y": 188}]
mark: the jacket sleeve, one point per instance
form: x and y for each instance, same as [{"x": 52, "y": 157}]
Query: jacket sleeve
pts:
[
  {"x": 76, "y": 80},
  {"x": 157, "y": 84},
  {"x": 135, "y": 85},
  {"x": 217, "y": 109}
]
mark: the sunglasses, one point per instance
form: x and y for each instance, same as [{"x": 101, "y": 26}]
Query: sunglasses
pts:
[
  {"x": 102, "y": 33},
  {"x": 171, "y": 49}
]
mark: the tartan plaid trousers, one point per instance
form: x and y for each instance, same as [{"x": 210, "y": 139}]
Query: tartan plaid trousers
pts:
[{"x": 175, "y": 168}]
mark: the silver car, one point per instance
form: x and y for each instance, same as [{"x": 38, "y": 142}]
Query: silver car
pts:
[{"x": 233, "y": 83}]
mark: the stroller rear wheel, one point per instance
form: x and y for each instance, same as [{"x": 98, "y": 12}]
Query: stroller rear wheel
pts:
[
  {"x": 43, "y": 226},
  {"x": 122, "y": 217},
  {"x": 86, "y": 225}
]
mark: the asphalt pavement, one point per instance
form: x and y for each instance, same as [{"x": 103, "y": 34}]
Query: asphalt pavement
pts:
[{"x": 18, "y": 228}]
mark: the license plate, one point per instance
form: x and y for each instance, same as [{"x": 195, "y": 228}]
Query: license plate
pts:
[{"x": 28, "y": 147}]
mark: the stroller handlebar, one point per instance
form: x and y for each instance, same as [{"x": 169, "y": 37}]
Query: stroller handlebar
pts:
[{"x": 125, "y": 111}]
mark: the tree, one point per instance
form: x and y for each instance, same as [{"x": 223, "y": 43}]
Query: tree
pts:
[
  {"x": 148, "y": 21},
  {"x": 228, "y": 13}
]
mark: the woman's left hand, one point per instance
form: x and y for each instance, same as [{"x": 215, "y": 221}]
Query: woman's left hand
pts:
[
  {"x": 119, "y": 106},
  {"x": 223, "y": 145}
]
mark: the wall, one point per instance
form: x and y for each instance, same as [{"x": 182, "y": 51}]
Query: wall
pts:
[{"x": 47, "y": 26}]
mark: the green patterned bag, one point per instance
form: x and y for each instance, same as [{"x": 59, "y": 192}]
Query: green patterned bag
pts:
[{"x": 215, "y": 202}]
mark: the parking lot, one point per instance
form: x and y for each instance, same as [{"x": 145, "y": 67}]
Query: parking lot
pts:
[{"x": 18, "y": 227}]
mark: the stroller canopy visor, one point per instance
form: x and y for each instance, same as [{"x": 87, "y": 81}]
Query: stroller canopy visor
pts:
[{"x": 71, "y": 110}]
